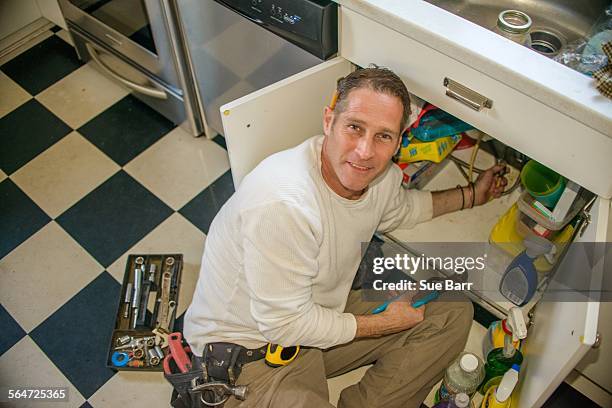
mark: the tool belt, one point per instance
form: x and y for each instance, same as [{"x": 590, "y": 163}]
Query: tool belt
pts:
[{"x": 212, "y": 379}]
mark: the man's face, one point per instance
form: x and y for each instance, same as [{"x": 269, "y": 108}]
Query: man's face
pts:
[{"x": 360, "y": 142}]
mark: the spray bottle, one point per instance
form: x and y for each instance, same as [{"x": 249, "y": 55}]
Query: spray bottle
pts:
[
  {"x": 500, "y": 396},
  {"x": 520, "y": 279}
]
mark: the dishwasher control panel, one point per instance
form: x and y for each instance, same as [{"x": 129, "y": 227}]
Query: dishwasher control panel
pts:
[{"x": 309, "y": 24}]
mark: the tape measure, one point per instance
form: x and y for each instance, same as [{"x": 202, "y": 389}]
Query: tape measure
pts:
[{"x": 278, "y": 356}]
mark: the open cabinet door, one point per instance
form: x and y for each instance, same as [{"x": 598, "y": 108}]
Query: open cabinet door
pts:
[
  {"x": 279, "y": 116},
  {"x": 564, "y": 331}
]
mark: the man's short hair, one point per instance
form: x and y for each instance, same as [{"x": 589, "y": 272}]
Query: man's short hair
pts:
[{"x": 378, "y": 79}]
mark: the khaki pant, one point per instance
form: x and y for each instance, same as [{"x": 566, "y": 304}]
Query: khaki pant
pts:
[{"x": 406, "y": 364}]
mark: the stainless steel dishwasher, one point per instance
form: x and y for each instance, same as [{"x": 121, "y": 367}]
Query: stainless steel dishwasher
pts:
[{"x": 235, "y": 47}]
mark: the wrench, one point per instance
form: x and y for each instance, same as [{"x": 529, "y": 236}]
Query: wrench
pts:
[
  {"x": 161, "y": 337},
  {"x": 162, "y": 316}
]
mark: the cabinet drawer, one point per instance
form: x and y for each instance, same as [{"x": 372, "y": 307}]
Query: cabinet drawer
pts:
[{"x": 514, "y": 118}]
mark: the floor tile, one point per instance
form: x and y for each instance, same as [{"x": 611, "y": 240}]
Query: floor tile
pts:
[
  {"x": 566, "y": 397},
  {"x": 20, "y": 217},
  {"x": 89, "y": 319},
  {"x": 49, "y": 269},
  {"x": 113, "y": 217},
  {"x": 81, "y": 95},
  {"x": 63, "y": 174},
  {"x": 220, "y": 140},
  {"x": 86, "y": 404},
  {"x": 25, "y": 364},
  {"x": 337, "y": 384},
  {"x": 11, "y": 331},
  {"x": 42, "y": 65},
  {"x": 126, "y": 129},
  {"x": 23, "y": 48},
  {"x": 26, "y": 132},
  {"x": 55, "y": 29},
  {"x": 2, "y": 175},
  {"x": 12, "y": 95},
  {"x": 134, "y": 390},
  {"x": 203, "y": 208},
  {"x": 179, "y": 166},
  {"x": 174, "y": 235}
]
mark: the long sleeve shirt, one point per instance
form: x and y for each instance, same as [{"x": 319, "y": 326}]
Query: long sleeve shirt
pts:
[{"x": 282, "y": 253}]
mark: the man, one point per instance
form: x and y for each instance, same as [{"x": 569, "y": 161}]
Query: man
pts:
[{"x": 282, "y": 253}]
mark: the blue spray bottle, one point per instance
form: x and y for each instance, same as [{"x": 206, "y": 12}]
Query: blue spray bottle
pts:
[{"x": 520, "y": 279}]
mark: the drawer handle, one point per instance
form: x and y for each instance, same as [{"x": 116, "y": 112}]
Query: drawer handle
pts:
[
  {"x": 152, "y": 92},
  {"x": 466, "y": 96}
]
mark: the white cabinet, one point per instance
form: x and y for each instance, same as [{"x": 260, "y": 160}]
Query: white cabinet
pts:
[
  {"x": 279, "y": 116},
  {"x": 515, "y": 119},
  {"x": 288, "y": 112}
]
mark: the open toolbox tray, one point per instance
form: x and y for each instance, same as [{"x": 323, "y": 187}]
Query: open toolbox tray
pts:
[{"x": 160, "y": 277}]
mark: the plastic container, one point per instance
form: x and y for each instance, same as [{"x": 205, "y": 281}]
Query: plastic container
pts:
[
  {"x": 500, "y": 396},
  {"x": 434, "y": 123},
  {"x": 506, "y": 237},
  {"x": 460, "y": 400},
  {"x": 520, "y": 280},
  {"x": 500, "y": 360},
  {"x": 495, "y": 337},
  {"x": 464, "y": 375},
  {"x": 525, "y": 226},
  {"x": 526, "y": 206},
  {"x": 542, "y": 183}
]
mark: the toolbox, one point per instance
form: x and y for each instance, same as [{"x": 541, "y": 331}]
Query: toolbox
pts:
[{"x": 146, "y": 312}]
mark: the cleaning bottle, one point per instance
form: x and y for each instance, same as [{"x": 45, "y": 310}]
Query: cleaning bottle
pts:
[
  {"x": 500, "y": 360},
  {"x": 461, "y": 400},
  {"x": 500, "y": 396},
  {"x": 520, "y": 280},
  {"x": 463, "y": 376},
  {"x": 514, "y": 325},
  {"x": 495, "y": 336}
]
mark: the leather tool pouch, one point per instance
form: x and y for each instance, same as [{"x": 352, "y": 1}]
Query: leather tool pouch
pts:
[
  {"x": 181, "y": 382},
  {"x": 223, "y": 362}
]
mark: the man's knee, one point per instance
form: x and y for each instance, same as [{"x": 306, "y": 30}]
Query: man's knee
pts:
[
  {"x": 452, "y": 317},
  {"x": 465, "y": 312},
  {"x": 461, "y": 321}
]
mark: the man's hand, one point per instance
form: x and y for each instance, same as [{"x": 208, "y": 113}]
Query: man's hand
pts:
[
  {"x": 490, "y": 184},
  {"x": 401, "y": 315},
  {"x": 398, "y": 316}
]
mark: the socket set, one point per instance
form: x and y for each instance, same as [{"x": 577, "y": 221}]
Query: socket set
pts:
[{"x": 146, "y": 312}]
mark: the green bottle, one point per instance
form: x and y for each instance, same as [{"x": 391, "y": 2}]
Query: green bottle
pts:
[{"x": 499, "y": 361}]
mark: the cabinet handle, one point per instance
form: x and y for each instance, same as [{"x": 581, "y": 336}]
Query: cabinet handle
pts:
[
  {"x": 466, "y": 96},
  {"x": 597, "y": 342},
  {"x": 152, "y": 92}
]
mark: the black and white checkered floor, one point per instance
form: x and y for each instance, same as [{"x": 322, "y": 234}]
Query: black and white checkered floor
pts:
[{"x": 88, "y": 175}]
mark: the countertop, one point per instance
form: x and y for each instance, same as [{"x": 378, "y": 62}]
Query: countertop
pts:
[{"x": 541, "y": 78}]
